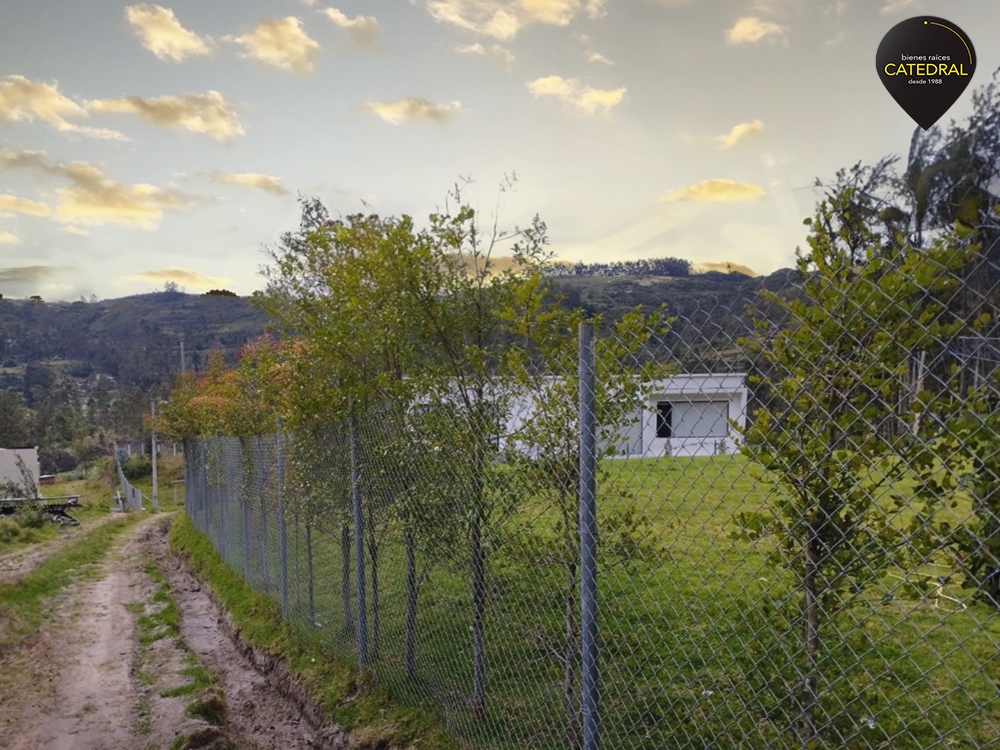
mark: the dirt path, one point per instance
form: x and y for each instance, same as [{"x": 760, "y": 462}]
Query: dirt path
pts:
[{"x": 109, "y": 670}]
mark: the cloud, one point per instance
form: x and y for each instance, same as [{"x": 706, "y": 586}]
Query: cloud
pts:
[
  {"x": 362, "y": 29},
  {"x": 10, "y": 159},
  {"x": 502, "y": 19},
  {"x": 836, "y": 9},
  {"x": 26, "y": 274},
  {"x": 12, "y": 204},
  {"x": 180, "y": 275},
  {"x": 93, "y": 198},
  {"x": 573, "y": 93},
  {"x": 596, "y": 8},
  {"x": 7, "y": 238},
  {"x": 23, "y": 100},
  {"x": 410, "y": 109},
  {"x": 209, "y": 114},
  {"x": 556, "y": 12},
  {"x": 752, "y": 29},
  {"x": 738, "y": 133},
  {"x": 75, "y": 231},
  {"x": 721, "y": 190},
  {"x": 263, "y": 182},
  {"x": 838, "y": 38},
  {"x": 597, "y": 57},
  {"x": 500, "y": 55},
  {"x": 281, "y": 43},
  {"x": 162, "y": 34},
  {"x": 894, "y": 6}
]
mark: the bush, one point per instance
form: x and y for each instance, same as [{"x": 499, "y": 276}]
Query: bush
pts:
[
  {"x": 31, "y": 516},
  {"x": 9, "y": 531},
  {"x": 137, "y": 467}
]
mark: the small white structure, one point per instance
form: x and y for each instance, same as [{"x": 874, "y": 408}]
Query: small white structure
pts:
[
  {"x": 687, "y": 415},
  {"x": 15, "y": 463},
  {"x": 683, "y": 415}
]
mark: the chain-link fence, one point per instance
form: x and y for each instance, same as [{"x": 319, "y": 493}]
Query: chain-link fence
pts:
[
  {"x": 130, "y": 496},
  {"x": 766, "y": 520}
]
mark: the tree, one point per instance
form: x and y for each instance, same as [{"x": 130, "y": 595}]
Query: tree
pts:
[
  {"x": 545, "y": 449},
  {"x": 15, "y": 427},
  {"x": 831, "y": 436},
  {"x": 343, "y": 292},
  {"x": 471, "y": 381}
]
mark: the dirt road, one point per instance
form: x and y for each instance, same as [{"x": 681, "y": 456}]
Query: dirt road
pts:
[{"x": 138, "y": 657}]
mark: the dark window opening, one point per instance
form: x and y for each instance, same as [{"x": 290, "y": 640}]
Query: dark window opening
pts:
[{"x": 664, "y": 419}]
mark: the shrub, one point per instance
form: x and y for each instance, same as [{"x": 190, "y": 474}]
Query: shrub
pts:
[
  {"x": 9, "y": 530},
  {"x": 137, "y": 467},
  {"x": 31, "y": 516}
]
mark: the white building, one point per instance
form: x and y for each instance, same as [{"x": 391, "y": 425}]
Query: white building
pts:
[
  {"x": 683, "y": 415},
  {"x": 11, "y": 462},
  {"x": 688, "y": 415}
]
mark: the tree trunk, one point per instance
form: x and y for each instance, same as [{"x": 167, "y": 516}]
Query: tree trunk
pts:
[
  {"x": 345, "y": 578},
  {"x": 570, "y": 653},
  {"x": 478, "y": 615},
  {"x": 373, "y": 556},
  {"x": 309, "y": 573},
  {"x": 298, "y": 587},
  {"x": 810, "y": 637},
  {"x": 410, "y": 656}
]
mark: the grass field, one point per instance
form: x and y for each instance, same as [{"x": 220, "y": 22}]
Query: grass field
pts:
[
  {"x": 95, "y": 505},
  {"x": 699, "y": 638}
]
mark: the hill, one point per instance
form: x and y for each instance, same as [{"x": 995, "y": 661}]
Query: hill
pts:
[
  {"x": 76, "y": 375},
  {"x": 134, "y": 340}
]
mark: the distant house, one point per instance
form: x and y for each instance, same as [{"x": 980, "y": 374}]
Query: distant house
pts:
[
  {"x": 18, "y": 465},
  {"x": 684, "y": 415},
  {"x": 688, "y": 415}
]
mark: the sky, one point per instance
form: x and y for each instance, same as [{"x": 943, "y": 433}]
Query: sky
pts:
[{"x": 145, "y": 143}]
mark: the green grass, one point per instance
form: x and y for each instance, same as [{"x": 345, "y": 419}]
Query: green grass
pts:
[
  {"x": 350, "y": 698},
  {"x": 210, "y": 707},
  {"x": 159, "y": 618},
  {"x": 25, "y": 603},
  {"x": 200, "y": 679},
  {"x": 164, "y": 618},
  {"x": 699, "y": 642},
  {"x": 95, "y": 504}
]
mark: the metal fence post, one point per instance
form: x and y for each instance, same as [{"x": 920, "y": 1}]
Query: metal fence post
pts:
[
  {"x": 204, "y": 495},
  {"x": 588, "y": 540},
  {"x": 282, "y": 530},
  {"x": 359, "y": 549}
]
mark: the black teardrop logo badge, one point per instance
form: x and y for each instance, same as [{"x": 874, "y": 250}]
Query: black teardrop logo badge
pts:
[{"x": 925, "y": 63}]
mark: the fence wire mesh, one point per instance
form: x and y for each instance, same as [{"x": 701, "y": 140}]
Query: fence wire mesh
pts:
[
  {"x": 796, "y": 508},
  {"x": 131, "y": 495}
]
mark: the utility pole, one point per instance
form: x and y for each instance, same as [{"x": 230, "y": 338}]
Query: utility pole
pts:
[{"x": 156, "y": 489}]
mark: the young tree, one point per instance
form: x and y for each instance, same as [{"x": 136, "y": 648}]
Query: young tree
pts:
[
  {"x": 346, "y": 293},
  {"x": 470, "y": 385},
  {"x": 831, "y": 436},
  {"x": 545, "y": 448}
]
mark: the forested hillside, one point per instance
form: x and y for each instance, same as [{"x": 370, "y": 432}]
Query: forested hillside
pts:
[{"x": 76, "y": 375}]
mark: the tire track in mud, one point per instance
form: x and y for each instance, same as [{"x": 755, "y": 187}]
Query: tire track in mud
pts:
[
  {"x": 260, "y": 713},
  {"x": 86, "y": 682}
]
